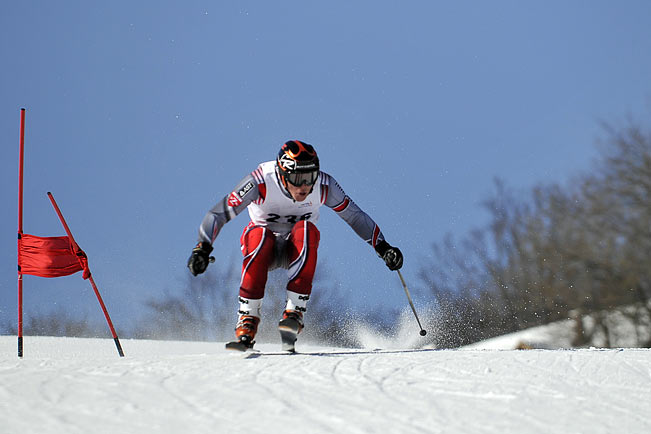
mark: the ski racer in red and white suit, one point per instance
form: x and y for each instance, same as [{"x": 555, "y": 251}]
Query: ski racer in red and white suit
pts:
[{"x": 282, "y": 232}]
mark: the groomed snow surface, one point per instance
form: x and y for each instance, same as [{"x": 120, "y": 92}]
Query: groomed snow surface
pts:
[{"x": 70, "y": 385}]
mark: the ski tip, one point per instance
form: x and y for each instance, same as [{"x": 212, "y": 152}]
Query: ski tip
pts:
[{"x": 238, "y": 346}]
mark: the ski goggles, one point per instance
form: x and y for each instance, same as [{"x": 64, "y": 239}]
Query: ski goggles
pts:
[{"x": 301, "y": 178}]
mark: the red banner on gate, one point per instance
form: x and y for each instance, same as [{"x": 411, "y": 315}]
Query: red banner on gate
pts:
[{"x": 51, "y": 257}]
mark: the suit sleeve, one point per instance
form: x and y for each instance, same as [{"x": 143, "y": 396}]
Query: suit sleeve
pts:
[
  {"x": 352, "y": 214},
  {"x": 245, "y": 192}
]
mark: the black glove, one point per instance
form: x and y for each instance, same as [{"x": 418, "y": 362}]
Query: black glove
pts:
[
  {"x": 200, "y": 258},
  {"x": 392, "y": 255}
]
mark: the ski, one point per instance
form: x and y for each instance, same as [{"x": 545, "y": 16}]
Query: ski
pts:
[
  {"x": 339, "y": 352},
  {"x": 288, "y": 338},
  {"x": 289, "y": 328},
  {"x": 241, "y": 345},
  {"x": 255, "y": 354}
]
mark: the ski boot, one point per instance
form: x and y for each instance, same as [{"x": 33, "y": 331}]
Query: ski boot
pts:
[
  {"x": 289, "y": 327},
  {"x": 245, "y": 331}
]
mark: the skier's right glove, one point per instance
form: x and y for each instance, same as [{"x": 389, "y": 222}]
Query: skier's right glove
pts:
[
  {"x": 392, "y": 255},
  {"x": 200, "y": 258}
]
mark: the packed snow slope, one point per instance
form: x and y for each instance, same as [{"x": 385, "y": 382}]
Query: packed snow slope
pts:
[{"x": 66, "y": 385}]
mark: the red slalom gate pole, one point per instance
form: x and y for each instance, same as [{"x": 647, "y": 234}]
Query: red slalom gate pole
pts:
[
  {"x": 92, "y": 282},
  {"x": 20, "y": 230},
  {"x": 108, "y": 318}
]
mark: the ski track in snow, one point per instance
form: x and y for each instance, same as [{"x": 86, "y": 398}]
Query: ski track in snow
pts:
[{"x": 67, "y": 385}]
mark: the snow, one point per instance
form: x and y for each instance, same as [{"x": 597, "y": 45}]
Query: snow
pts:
[
  {"x": 70, "y": 385},
  {"x": 623, "y": 332},
  {"x": 557, "y": 335}
]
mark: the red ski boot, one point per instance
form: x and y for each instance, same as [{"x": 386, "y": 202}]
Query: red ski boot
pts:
[
  {"x": 289, "y": 327},
  {"x": 245, "y": 331}
]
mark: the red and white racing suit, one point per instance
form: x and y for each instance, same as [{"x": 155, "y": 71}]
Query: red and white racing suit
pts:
[{"x": 282, "y": 232}]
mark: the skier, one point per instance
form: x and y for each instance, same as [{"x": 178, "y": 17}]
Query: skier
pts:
[{"x": 283, "y": 198}]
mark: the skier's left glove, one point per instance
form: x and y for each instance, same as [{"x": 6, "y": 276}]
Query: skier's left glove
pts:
[
  {"x": 392, "y": 255},
  {"x": 200, "y": 258}
]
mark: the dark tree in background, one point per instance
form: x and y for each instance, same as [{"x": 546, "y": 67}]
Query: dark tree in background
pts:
[
  {"x": 560, "y": 252},
  {"x": 59, "y": 322},
  {"x": 197, "y": 309}
]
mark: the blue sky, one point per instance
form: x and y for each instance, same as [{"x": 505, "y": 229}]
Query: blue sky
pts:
[{"x": 141, "y": 115}]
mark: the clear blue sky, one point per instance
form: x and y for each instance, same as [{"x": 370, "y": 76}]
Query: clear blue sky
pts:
[{"x": 141, "y": 115}]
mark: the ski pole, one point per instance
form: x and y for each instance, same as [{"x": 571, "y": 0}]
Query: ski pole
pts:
[{"x": 423, "y": 332}]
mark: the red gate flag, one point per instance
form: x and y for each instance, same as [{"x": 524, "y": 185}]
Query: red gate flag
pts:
[{"x": 51, "y": 257}]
